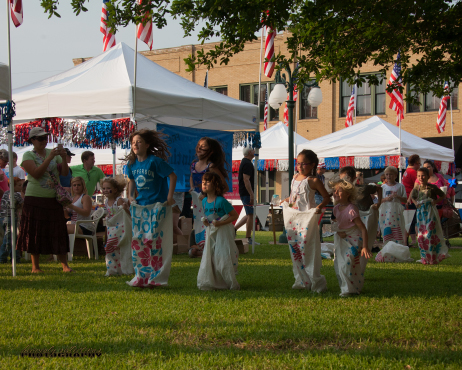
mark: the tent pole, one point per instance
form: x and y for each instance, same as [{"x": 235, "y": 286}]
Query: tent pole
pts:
[
  {"x": 134, "y": 78},
  {"x": 257, "y": 151},
  {"x": 10, "y": 155}
]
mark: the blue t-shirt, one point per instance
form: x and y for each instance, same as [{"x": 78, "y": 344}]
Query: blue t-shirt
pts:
[
  {"x": 221, "y": 207},
  {"x": 151, "y": 179}
]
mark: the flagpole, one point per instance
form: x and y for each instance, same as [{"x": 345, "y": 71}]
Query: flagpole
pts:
[
  {"x": 134, "y": 78},
  {"x": 257, "y": 151},
  {"x": 10, "y": 155}
]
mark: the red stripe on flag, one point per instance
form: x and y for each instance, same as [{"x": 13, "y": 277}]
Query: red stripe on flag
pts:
[
  {"x": 144, "y": 33},
  {"x": 16, "y": 12},
  {"x": 441, "y": 120},
  {"x": 269, "y": 51}
]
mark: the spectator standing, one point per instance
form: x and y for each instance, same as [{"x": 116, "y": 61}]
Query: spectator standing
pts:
[
  {"x": 409, "y": 178},
  {"x": 3, "y": 179},
  {"x": 17, "y": 171},
  {"x": 43, "y": 226},
  {"x": 246, "y": 181},
  {"x": 320, "y": 171},
  {"x": 66, "y": 180},
  {"x": 88, "y": 171}
]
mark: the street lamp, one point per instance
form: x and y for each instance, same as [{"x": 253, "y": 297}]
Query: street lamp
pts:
[{"x": 279, "y": 96}]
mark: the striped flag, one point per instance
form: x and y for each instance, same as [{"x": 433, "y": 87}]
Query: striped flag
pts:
[
  {"x": 112, "y": 244},
  {"x": 16, "y": 12},
  {"x": 392, "y": 234},
  {"x": 397, "y": 103},
  {"x": 265, "y": 116},
  {"x": 351, "y": 108},
  {"x": 206, "y": 80},
  {"x": 441, "y": 120},
  {"x": 269, "y": 51},
  {"x": 286, "y": 112},
  {"x": 144, "y": 33},
  {"x": 109, "y": 38}
]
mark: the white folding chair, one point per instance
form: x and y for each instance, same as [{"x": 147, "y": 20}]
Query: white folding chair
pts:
[{"x": 95, "y": 217}]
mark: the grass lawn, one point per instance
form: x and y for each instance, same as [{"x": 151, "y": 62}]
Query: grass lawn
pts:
[{"x": 408, "y": 317}]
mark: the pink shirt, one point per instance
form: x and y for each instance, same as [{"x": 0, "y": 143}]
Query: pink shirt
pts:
[
  {"x": 4, "y": 184},
  {"x": 346, "y": 216}
]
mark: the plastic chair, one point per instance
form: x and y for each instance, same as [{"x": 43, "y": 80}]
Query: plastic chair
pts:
[{"x": 95, "y": 217}]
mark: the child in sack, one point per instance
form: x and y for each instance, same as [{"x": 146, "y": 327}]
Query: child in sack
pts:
[
  {"x": 350, "y": 240},
  {"x": 219, "y": 260}
]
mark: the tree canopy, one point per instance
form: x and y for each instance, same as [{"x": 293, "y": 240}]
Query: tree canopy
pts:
[{"x": 331, "y": 39}]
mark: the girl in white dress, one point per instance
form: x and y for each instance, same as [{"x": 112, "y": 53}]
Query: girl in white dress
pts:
[
  {"x": 112, "y": 190},
  {"x": 301, "y": 216}
]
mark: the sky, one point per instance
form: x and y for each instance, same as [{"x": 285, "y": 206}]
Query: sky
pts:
[{"x": 43, "y": 47}]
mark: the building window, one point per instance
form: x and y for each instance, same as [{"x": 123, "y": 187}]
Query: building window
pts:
[
  {"x": 430, "y": 102},
  {"x": 220, "y": 89},
  {"x": 306, "y": 110},
  {"x": 370, "y": 99},
  {"x": 249, "y": 93},
  {"x": 267, "y": 185}
]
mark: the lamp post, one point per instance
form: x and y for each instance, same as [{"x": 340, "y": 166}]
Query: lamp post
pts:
[{"x": 279, "y": 96}]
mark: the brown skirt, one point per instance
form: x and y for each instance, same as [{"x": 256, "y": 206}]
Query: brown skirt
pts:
[{"x": 43, "y": 227}]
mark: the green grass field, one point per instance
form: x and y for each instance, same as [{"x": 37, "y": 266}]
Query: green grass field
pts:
[{"x": 408, "y": 317}]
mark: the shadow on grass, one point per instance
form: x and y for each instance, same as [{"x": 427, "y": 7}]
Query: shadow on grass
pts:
[
  {"x": 244, "y": 349},
  {"x": 259, "y": 277}
]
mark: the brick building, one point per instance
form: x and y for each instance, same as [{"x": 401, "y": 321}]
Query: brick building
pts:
[{"x": 239, "y": 80}]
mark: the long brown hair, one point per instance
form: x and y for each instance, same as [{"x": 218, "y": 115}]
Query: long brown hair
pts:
[
  {"x": 157, "y": 145},
  {"x": 216, "y": 155}
]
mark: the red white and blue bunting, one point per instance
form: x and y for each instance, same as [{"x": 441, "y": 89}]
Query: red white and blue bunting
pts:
[
  {"x": 335, "y": 163},
  {"x": 82, "y": 134}
]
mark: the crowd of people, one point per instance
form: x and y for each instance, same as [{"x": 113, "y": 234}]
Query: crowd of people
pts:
[{"x": 47, "y": 216}]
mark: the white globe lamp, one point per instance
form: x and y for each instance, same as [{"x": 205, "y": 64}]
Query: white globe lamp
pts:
[
  {"x": 277, "y": 96},
  {"x": 315, "y": 97}
]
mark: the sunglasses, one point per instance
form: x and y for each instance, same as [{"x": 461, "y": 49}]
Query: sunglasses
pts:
[{"x": 40, "y": 138}]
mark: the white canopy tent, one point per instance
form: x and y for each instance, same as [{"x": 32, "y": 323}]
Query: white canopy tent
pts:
[
  {"x": 103, "y": 87},
  {"x": 375, "y": 137},
  {"x": 4, "y": 82},
  {"x": 274, "y": 143}
]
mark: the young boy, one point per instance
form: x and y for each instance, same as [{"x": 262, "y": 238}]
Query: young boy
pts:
[{"x": 5, "y": 214}]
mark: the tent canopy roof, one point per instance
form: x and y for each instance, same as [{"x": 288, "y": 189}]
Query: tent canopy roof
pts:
[
  {"x": 274, "y": 143},
  {"x": 4, "y": 82},
  {"x": 103, "y": 86},
  {"x": 376, "y": 137}
]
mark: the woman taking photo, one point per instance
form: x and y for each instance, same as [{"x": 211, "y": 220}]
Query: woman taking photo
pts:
[
  {"x": 80, "y": 208},
  {"x": 43, "y": 226}
]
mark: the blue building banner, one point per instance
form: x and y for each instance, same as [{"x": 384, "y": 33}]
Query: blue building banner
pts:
[{"x": 182, "y": 142}]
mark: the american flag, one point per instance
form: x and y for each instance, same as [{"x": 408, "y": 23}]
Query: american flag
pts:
[
  {"x": 269, "y": 51},
  {"x": 392, "y": 234},
  {"x": 351, "y": 108},
  {"x": 396, "y": 96},
  {"x": 206, "y": 80},
  {"x": 265, "y": 116},
  {"x": 16, "y": 12},
  {"x": 441, "y": 120},
  {"x": 111, "y": 244},
  {"x": 109, "y": 38},
  {"x": 286, "y": 112},
  {"x": 144, "y": 33}
]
